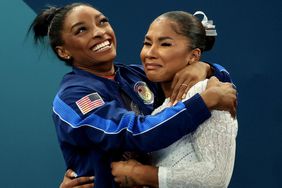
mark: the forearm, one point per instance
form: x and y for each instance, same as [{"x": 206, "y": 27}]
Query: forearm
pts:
[{"x": 124, "y": 130}]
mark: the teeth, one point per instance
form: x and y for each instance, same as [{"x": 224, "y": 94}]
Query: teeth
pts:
[{"x": 101, "y": 46}]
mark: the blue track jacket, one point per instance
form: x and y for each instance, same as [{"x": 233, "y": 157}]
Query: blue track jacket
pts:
[{"x": 94, "y": 127}]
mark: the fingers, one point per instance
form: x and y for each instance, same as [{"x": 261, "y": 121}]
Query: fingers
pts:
[
  {"x": 119, "y": 179},
  {"x": 233, "y": 113},
  {"x": 116, "y": 164},
  {"x": 133, "y": 162},
  {"x": 222, "y": 96},
  {"x": 233, "y": 98},
  {"x": 180, "y": 84},
  {"x": 70, "y": 174},
  {"x": 71, "y": 181},
  {"x": 232, "y": 109},
  {"x": 174, "y": 81},
  {"x": 235, "y": 103},
  {"x": 175, "y": 90},
  {"x": 82, "y": 181},
  {"x": 91, "y": 185},
  {"x": 213, "y": 81},
  {"x": 180, "y": 90},
  {"x": 213, "y": 78},
  {"x": 124, "y": 181},
  {"x": 117, "y": 167}
]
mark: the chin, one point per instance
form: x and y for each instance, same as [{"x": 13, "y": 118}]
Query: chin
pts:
[
  {"x": 154, "y": 78},
  {"x": 109, "y": 57}
]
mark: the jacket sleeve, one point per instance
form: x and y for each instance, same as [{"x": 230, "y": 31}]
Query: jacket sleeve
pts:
[
  {"x": 111, "y": 127},
  {"x": 221, "y": 73}
]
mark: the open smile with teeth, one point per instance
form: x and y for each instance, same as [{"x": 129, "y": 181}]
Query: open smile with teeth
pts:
[{"x": 102, "y": 46}]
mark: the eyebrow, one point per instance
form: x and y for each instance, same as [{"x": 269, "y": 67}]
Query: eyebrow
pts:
[
  {"x": 76, "y": 24},
  {"x": 81, "y": 23},
  {"x": 160, "y": 38}
]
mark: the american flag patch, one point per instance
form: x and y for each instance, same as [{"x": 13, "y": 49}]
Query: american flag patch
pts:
[{"x": 89, "y": 102}]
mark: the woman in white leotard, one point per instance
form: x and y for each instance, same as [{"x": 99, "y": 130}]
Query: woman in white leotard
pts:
[{"x": 206, "y": 157}]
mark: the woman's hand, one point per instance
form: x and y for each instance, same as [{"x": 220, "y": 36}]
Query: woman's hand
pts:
[
  {"x": 220, "y": 96},
  {"x": 131, "y": 173},
  {"x": 123, "y": 172},
  {"x": 71, "y": 181},
  {"x": 186, "y": 78}
]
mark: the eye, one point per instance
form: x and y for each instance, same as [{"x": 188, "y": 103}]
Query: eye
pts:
[
  {"x": 146, "y": 43},
  {"x": 80, "y": 30},
  {"x": 165, "y": 44},
  {"x": 104, "y": 21}
]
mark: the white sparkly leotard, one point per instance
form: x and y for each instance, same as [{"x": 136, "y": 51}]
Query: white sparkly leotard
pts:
[{"x": 204, "y": 158}]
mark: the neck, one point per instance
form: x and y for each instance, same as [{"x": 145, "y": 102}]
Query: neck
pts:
[
  {"x": 166, "y": 86},
  {"x": 102, "y": 70}
]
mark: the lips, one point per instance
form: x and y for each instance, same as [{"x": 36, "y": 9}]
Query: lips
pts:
[
  {"x": 105, "y": 45},
  {"x": 152, "y": 66}
]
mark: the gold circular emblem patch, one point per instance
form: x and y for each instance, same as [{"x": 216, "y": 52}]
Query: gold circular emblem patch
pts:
[{"x": 144, "y": 92}]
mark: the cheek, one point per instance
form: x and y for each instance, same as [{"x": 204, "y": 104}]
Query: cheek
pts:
[
  {"x": 111, "y": 32},
  {"x": 114, "y": 40},
  {"x": 176, "y": 60},
  {"x": 74, "y": 44},
  {"x": 142, "y": 55},
  {"x": 159, "y": 75}
]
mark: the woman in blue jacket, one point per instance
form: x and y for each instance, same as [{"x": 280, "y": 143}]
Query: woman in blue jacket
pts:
[{"x": 95, "y": 109}]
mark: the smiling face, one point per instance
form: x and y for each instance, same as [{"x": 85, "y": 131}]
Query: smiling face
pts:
[{"x": 88, "y": 39}]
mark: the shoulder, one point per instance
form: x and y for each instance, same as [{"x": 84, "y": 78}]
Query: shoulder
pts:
[
  {"x": 76, "y": 89},
  {"x": 134, "y": 73},
  {"x": 197, "y": 88},
  {"x": 131, "y": 68}
]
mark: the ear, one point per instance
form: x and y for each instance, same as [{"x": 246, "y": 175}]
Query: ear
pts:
[
  {"x": 195, "y": 56},
  {"x": 63, "y": 53}
]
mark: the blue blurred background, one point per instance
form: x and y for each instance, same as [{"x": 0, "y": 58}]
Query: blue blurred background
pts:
[{"x": 248, "y": 45}]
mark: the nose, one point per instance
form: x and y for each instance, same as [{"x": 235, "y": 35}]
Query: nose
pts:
[
  {"x": 151, "y": 52},
  {"x": 98, "y": 32}
]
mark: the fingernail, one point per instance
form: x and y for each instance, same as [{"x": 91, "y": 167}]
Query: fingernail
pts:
[
  {"x": 92, "y": 178},
  {"x": 175, "y": 103},
  {"x": 73, "y": 174}
]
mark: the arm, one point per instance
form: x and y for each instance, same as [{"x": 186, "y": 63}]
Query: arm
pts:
[{"x": 112, "y": 127}]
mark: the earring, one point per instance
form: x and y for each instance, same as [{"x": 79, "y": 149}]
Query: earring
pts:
[{"x": 68, "y": 57}]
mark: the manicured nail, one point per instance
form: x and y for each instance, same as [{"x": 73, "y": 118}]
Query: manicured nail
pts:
[
  {"x": 92, "y": 178},
  {"x": 73, "y": 174}
]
